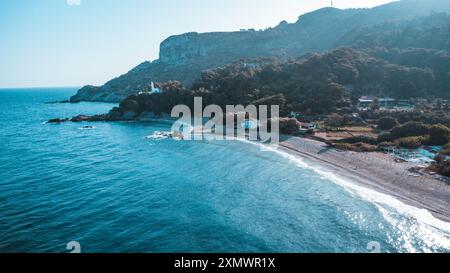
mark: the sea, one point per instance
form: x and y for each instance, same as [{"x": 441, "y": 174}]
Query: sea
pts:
[{"x": 120, "y": 187}]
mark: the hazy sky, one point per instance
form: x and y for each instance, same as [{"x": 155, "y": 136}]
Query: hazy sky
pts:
[{"x": 78, "y": 42}]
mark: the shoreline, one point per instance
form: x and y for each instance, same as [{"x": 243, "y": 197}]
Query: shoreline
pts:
[{"x": 376, "y": 171}]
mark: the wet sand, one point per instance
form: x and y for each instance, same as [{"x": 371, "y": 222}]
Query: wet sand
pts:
[{"x": 379, "y": 172}]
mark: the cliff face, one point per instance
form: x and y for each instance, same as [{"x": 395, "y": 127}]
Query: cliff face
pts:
[
  {"x": 180, "y": 49},
  {"x": 183, "y": 57}
]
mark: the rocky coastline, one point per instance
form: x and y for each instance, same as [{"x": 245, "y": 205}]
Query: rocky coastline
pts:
[{"x": 117, "y": 114}]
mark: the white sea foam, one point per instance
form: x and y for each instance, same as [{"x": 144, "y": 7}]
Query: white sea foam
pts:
[
  {"x": 163, "y": 135},
  {"x": 434, "y": 232},
  {"x": 159, "y": 135}
]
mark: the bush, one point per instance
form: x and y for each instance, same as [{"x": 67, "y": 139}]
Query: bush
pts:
[
  {"x": 410, "y": 129},
  {"x": 344, "y": 146},
  {"x": 356, "y": 147},
  {"x": 442, "y": 167},
  {"x": 439, "y": 135},
  {"x": 364, "y": 147},
  {"x": 445, "y": 151},
  {"x": 289, "y": 126},
  {"x": 130, "y": 104},
  {"x": 360, "y": 139},
  {"x": 385, "y": 137},
  {"x": 387, "y": 123},
  {"x": 411, "y": 142},
  {"x": 431, "y": 118},
  {"x": 335, "y": 120},
  {"x": 387, "y": 144},
  {"x": 445, "y": 168}
]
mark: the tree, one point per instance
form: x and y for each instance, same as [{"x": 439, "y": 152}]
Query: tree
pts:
[
  {"x": 441, "y": 166},
  {"x": 375, "y": 106},
  {"x": 289, "y": 126},
  {"x": 387, "y": 123},
  {"x": 439, "y": 104},
  {"x": 355, "y": 100},
  {"x": 412, "y": 142},
  {"x": 335, "y": 120},
  {"x": 410, "y": 129},
  {"x": 407, "y": 89},
  {"x": 439, "y": 135}
]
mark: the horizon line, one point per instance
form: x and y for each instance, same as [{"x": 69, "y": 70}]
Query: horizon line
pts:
[{"x": 39, "y": 87}]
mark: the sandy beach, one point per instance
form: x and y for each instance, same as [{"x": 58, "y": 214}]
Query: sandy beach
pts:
[{"x": 379, "y": 172}]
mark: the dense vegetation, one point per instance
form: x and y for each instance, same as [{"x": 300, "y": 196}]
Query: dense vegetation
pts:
[
  {"x": 429, "y": 116},
  {"x": 426, "y": 130},
  {"x": 313, "y": 84},
  {"x": 386, "y": 32},
  {"x": 409, "y": 135}
]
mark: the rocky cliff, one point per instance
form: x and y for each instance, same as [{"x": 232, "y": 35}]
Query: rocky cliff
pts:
[{"x": 183, "y": 57}]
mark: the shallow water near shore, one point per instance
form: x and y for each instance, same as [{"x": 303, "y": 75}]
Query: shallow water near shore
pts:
[{"x": 114, "y": 190}]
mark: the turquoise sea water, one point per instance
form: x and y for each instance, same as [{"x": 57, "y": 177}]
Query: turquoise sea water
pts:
[{"x": 113, "y": 190}]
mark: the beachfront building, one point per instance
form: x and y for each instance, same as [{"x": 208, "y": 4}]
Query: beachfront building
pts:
[
  {"x": 365, "y": 102},
  {"x": 306, "y": 126}
]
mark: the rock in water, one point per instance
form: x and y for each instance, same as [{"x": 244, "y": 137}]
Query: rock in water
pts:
[
  {"x": 80, "y": 118},
  {"x": 57, "y": 120}
]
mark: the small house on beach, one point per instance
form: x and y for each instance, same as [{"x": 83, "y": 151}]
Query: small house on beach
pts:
[{"x": 307, "y": 126}]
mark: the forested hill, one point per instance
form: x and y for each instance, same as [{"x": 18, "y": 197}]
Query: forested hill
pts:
[
  {"x": 312, "y": 84},
  {"x": 403, "y": 24}
]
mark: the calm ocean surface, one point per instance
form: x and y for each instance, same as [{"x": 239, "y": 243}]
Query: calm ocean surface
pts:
[{"x": 113, "y": 190}]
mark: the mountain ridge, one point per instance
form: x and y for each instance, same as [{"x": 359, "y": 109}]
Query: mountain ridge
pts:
[{"x": 183, "y": 57}]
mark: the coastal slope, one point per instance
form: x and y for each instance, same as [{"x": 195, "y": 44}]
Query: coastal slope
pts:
[{"x": 183, "y": 57}]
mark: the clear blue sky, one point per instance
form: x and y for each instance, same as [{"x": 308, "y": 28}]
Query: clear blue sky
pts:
[{"x": 52, "y": 43}]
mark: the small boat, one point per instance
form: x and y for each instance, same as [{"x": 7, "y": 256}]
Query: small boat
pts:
[{"x": 87, "y": 127}]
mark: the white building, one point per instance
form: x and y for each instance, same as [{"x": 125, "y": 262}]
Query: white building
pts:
[
  {"x": 386, "y": 103},
  {"x": 155, "y": 90},
  {"x": 306, "y": 126}
]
